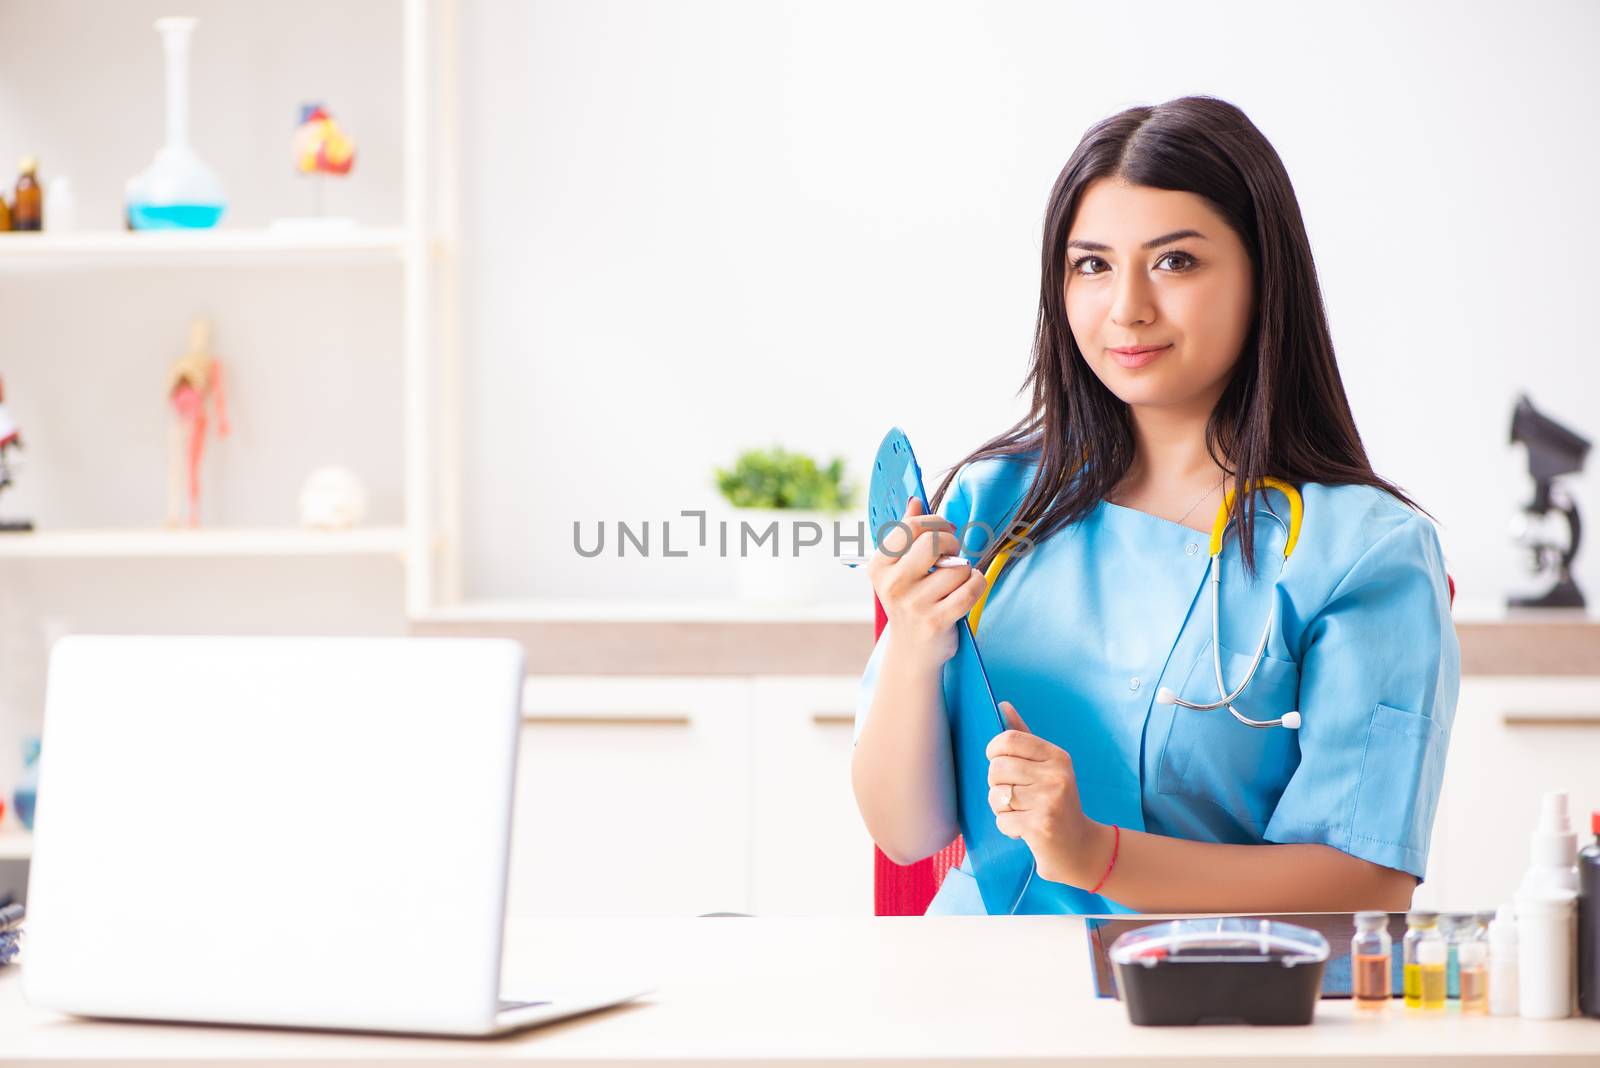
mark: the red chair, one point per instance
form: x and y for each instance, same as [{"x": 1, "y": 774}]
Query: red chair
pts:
[{"x": 906, "y": 890}]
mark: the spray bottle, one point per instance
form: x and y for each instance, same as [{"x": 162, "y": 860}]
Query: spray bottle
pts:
[{"x": 1547, "y": 934}]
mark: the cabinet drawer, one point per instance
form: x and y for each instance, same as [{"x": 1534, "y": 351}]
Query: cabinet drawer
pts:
[
  {"x": 631, "y": 797},
  {"x": 812, "y": 853}
]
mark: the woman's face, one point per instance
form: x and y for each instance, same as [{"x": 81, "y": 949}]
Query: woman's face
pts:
[{"x": 1157, "y": 267}]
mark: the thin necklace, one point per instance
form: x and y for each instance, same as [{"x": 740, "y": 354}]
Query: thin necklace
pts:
[{"x": 1196, "y": 504}]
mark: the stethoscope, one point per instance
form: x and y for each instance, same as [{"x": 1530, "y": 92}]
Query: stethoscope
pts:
[{"x": 1219, "y": 530}]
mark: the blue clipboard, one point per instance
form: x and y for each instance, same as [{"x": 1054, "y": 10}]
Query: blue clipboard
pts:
[{"x": 1003, "y": 867}]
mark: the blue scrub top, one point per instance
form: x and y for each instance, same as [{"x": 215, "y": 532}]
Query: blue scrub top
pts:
[{"x": 1080, "y": 634}]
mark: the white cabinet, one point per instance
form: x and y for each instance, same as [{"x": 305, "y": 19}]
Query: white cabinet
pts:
[
  {"x": 811, "y": 854},
  {"x": 685, "y": 795},
  {"x": 682, "y": 796},
  {"x": 1513, "y": 739},
  {"x": 632, "y": 797}
]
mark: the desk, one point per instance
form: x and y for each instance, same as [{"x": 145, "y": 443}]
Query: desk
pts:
[{"x": 833, "y": 991}]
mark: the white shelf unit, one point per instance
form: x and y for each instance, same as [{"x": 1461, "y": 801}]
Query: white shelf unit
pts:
[
  {"x": 222, "y": 246},
  {"x": 419, "y": 247},
  {"x": 112, "y": 544}
]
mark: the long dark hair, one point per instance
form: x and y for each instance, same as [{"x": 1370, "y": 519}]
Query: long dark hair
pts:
[{"x": 1283, "y": 412}]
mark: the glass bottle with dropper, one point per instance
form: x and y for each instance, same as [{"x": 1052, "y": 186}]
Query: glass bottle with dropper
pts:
[{"x": 1371, "y": 954}]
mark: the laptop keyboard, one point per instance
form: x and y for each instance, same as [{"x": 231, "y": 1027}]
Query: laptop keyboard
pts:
[{"x": 505, "y": 1005}]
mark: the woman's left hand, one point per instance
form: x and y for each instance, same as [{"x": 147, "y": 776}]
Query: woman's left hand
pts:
[{"x": 1045, "y": 811}]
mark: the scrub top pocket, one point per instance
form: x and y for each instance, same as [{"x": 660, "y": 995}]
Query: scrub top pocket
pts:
[
  {"x": 1211, "y": 757},
  {"x": 1402, "y": 747}
]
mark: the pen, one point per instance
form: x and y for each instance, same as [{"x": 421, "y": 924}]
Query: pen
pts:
[{"x": 943, "y": 561}]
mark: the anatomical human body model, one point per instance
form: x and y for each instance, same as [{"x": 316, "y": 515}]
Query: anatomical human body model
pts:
[{"x": 194, "y": 383}]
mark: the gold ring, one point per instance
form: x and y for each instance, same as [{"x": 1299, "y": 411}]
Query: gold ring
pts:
[{"x": 1010, "y": 793}]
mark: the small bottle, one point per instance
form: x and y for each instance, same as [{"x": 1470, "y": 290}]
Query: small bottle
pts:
[
  {"x": 1371, "y": 952},
  {"x": 1547, "y": 966},
  {"x": 1431, "y": 954},
  {"x": 5, "y": 213},
  {"x": 27, "y": 205},
  {"x": 1589, "y": 922},
  {"x": 1547, "y": 919},
  {"x": 1453, "y": 927},
  {"x": 1421, "y": 926},
  {"x": 1472, "y": 955},
  {"x": 1503, "y": 963},
  {"x": 60, "y": 205},
  {"x": 25, "y": 796}
]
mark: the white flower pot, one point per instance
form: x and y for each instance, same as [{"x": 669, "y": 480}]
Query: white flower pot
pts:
[{"x": 813, "y": 575}]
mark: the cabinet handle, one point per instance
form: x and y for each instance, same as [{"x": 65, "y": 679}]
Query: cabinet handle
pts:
[
  {"x": 1558, "y": 718},
  {"x": 833, "y": 718},
  {"x": 586, "y": 718}
]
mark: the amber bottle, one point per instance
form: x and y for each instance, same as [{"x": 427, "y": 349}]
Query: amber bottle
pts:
[{"x": 27, "y": 206}]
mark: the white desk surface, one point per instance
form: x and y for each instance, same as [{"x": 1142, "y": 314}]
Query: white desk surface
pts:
[{"x": 835, "y": 991}]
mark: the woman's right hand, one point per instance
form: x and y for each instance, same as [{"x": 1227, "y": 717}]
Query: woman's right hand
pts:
[{"x": 924, "y": 606}]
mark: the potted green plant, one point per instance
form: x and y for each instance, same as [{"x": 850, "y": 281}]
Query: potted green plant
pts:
[{"x": 779, "y": 495}]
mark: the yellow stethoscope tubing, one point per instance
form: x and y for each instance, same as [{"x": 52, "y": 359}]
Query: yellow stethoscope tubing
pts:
[
  {"x": 1219, "y": 528},
  {"x": 1167, "y": 696},
  {"x": 989, "y": 578}
]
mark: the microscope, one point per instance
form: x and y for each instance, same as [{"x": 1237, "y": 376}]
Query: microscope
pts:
[{"x": 1552, "y": 450}]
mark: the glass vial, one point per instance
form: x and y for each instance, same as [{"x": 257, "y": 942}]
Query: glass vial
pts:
[
  {"x": 1371, "y": 951},
  {"x": 1421, "y": 926},
  {"x": 1472, "y": 956},
  {"x": 1431, "y": 954},
  {"x": 1452, "y": 928}
]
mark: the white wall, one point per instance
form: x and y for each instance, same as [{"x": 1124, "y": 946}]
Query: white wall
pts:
[{"x": 697, "y": 227}]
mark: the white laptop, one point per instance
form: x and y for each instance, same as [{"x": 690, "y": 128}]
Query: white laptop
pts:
[{"x": 299, "y": 832}]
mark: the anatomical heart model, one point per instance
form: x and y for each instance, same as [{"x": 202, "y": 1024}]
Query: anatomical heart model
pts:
[
  {"x": 320, "y": 146},
  {"x": 194, "y": 385}
]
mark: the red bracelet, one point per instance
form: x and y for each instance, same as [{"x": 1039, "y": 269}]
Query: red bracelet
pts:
[{"x": 1116, "y": 843}]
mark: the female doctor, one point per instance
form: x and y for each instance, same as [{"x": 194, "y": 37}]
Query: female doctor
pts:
[{"x": 1183, "y": 357}]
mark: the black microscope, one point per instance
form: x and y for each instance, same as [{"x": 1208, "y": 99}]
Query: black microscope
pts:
[{"x": 1552, "y": 450}]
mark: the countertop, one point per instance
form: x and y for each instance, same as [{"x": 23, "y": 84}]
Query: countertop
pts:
[
  {"x": 721, "y": 636},
  {"x": 954, "y": 990}
]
